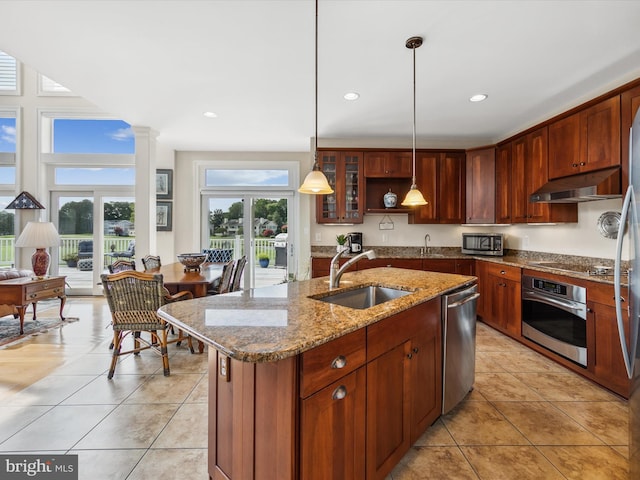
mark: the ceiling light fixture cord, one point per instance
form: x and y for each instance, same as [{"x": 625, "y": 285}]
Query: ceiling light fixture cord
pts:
[{"x": 414, "y": 196}]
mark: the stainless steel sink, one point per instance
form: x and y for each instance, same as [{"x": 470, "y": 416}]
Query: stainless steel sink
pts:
[{"x": 363, "y": 297}]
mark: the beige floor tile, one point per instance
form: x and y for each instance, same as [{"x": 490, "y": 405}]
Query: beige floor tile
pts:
[
  {"x": 107, "y": 464},
  {"x": 609, "y": 421},
  {"x": 479, "y": 423},
  {"x": 200, "y": 393},
  {"x": 129, "y": 426},
  {"x": 486, "y": 364},
  {"x": 160, "y": 389},
  {"x": 186, "y": 362},
  {"x": 543, "y": 424},
  {"x": 58, "y": 429},
  {"x": 565, "y": 386},
  {"x": 172, "y": 464},
  {"x": 91, "y": 364},
  {"x": 105, "y": 391},
  {"x": 510, "y": 463},
  {"x": 436, "y": 435},
  {"x": 186, "y": 429},
  {"x": 433, "y": 463},
  {"x": 51, "y": 390},
  {"x": 519, "y": 361},
  {"x": 588, "y": 463},
  {"x": 146, "y": 363},
  {"x": 486, "y": 343},
  {"x": 13, "y": 419},
  {"x": 504, "y": 387}
]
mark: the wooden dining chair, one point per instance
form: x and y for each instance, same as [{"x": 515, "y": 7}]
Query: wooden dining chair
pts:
[
  {"x": 237, "y": 273},
  {"x": 224, "y": 285},
  {"x": 121, "y": 266},
  {"x": 151, "y": 262},
  {"x": 134, "y": 298}
]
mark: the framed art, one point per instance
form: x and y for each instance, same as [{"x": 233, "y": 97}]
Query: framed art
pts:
[
  {"x": 164, "y": 184},
  {"x": 164, "y": 216}
]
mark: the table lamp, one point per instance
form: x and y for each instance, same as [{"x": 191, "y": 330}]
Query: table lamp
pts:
[{"x": 39, "y": 235}]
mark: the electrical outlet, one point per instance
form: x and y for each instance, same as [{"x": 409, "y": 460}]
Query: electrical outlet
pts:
[
  {"x": 525, "y": 242},
  {"x": 385, "y": 238},
  {"x": 318, "y": 237}
]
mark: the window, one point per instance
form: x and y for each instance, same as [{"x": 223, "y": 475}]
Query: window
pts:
[
  {"x": 48, "y": 87},
  {"x": 71, "y": 135},
  {"x": 8, "y": 135},
  {"x": 9, "y": 75},
  {"x": 246, "y": 178},
  {"x": 93, "y": 176}
]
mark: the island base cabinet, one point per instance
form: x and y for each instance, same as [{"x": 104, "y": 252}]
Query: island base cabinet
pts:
[
  {"x": 252, "y": 419},
  {"x": 332, "y": 430}
]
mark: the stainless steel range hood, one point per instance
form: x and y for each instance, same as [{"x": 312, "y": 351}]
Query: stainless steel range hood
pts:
[{"x": 576, "y": 188}]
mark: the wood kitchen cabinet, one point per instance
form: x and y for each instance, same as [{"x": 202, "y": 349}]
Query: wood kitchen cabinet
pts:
[
  {"x": 529, "y": 172},
  {"x": 410, "y": 263},
  {"x": 404, "y": 384},
  {"x": 440, "y": 176},
  {"x": 480, "y": 186},
  {"x": 344, "y": 172},
  {"x": 629, "y": 105},
  {"x": 604, "y": 353},
  {"x": 387, "y": 164},
  {"x": 504, "y": 184},
  {"x": 586, "y": 141},
  {"x": 321, "y": 267},
  {"x": 332, "y": 415},
  {"x": 501, "y": 306}
]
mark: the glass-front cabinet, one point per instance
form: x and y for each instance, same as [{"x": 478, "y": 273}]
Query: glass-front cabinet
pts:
[{"x": 344, "y": 173}]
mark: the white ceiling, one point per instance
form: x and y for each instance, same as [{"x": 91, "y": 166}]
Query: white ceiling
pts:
[{"x": 163, "y": 63}]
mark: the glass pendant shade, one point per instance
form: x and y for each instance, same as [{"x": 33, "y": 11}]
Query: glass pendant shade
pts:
[
  {"x": 414, "y": 198},
  {"x": 315, "y": 183}
]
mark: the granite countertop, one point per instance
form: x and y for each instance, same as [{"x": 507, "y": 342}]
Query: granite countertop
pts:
[
  {"x": 515, "y": 258},
  {"x": 271, "y": 323}
]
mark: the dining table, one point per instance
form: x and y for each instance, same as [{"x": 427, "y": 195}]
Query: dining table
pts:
[
  {"x": 176, "y": 278},
  {"x": 198, "y": 282}
]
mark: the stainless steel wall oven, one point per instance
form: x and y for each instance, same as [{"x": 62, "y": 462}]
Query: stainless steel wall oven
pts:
[{"x": 554, "y": 315}]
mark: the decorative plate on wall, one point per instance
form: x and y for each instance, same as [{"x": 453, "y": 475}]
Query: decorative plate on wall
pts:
[{"x": 609, "y": 224}]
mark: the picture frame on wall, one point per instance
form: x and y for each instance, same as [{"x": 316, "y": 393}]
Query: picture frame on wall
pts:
[
  {"x": 164, "y": 216},
  {"x": 164, "y": 184}
]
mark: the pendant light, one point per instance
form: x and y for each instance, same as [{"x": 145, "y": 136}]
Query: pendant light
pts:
[
  {"x": 414, "y": 198},
  {"x": 316, "y": 182}
]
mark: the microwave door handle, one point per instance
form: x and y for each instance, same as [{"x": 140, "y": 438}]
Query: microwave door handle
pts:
[
  {"x": 575, "y": 307},
  {"x": 617, "y": 286}
]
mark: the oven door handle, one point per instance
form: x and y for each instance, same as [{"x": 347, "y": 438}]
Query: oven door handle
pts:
[{"x": 578, "y": 308}]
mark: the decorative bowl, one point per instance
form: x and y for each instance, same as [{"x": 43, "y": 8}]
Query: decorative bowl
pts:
[{"x": 192, "y": 261}]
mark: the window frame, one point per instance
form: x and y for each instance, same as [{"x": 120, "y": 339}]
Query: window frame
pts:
[{"x": 18, "y": 90}]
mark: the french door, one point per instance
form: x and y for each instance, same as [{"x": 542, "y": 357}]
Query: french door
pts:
[
  {"x": 94, "y": 225},
  {"x": 255, "y": 225}
]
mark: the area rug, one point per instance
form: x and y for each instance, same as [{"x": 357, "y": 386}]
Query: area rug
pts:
[{"x": 10, "y": 327}]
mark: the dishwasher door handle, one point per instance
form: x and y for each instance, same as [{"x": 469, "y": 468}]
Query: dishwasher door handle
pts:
[{"x": 463, "y": 301}]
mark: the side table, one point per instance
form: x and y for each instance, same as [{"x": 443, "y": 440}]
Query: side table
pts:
[{"x": 22, "y": 291}]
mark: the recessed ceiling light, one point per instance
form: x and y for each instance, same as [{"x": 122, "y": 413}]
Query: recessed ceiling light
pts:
[
  {"x": 478, "y": 97},
  {"x": 351, "y": 96},
  {"x": 210, "y": 115}
]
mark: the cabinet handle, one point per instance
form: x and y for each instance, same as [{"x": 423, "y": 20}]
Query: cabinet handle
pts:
[
  {"x": 582, "y": 164},
  {"x": 339, "y": 393},
  {"x": 502, "y": 272},
  {"x": 415, "y": 350},
  {"x": 410, "y": 356},
  {"x": 339, "y": 362},
  {"x": 574, "y": 165}
]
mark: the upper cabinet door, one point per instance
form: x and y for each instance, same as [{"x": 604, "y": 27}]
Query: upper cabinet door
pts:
[
  {"x": 344, "y": 173},
  {"x": 389, "y": 164},
  {"x": 480, "y": 191},
  {"x": 503, "y": 184},
  {"x": 586, "y": 141}
]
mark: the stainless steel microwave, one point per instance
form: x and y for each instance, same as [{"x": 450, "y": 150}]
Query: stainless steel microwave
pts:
[{"x": 483, "y": 243}]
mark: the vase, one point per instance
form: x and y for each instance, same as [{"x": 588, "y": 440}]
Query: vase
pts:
[{"x": 390, "y": 199}]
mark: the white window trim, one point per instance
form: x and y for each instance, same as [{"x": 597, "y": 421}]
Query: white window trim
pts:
[
  {"x": 18, "y": 89},
  {"x": 50, "y": 93}
]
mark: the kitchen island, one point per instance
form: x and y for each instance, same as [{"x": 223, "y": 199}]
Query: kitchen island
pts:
[{"x": 303, "y": 388}]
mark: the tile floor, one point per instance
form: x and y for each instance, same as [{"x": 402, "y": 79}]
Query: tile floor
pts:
[{"x": 527, "y": 418}]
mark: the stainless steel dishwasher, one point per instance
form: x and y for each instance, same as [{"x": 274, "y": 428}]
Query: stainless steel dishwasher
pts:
[{"x": 458, "y": 344}]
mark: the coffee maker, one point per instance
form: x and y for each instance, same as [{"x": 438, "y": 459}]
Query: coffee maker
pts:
[{"x": 355, "y": 242}]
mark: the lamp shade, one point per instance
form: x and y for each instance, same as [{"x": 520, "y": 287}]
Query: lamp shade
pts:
[
  {"x": 38, "y": 235},
  {"x": 315, "y": 183},
  {"x": 414, "y": 198}
]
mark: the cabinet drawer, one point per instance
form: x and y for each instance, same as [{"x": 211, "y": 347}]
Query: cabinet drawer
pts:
[
  {"x": 53, "y": 291},
  {"x": 510, "y": 273},
  {"x": 603, "y": 294},
  {"x": 327, "y": 363}
]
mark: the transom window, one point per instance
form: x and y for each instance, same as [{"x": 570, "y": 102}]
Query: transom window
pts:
[
  {"x": 71, "y": 135},
  {"x": 246, "y": 178},
  {"x": 9, "y": 75}
]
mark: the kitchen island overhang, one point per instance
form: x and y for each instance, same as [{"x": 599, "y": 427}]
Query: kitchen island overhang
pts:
[{"x": 272, "y": 323}]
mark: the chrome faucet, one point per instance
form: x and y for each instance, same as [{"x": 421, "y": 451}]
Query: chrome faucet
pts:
[
  {"x": 427, "y": 239},
  {"x": 336, "y": 272}
]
